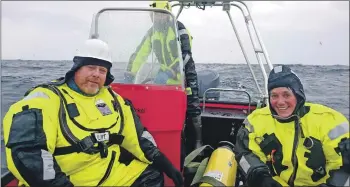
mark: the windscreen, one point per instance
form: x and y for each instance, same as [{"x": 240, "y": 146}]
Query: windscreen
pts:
[{"x": 144, "y": 45}]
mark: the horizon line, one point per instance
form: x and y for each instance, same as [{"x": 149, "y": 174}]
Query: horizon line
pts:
[{"x": 200, "y": 62}]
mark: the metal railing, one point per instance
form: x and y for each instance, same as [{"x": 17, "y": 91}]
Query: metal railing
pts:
[{"x": 248, "y": 20}]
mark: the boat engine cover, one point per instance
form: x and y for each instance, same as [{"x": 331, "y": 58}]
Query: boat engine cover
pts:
[{"x": 208, "y": 79}]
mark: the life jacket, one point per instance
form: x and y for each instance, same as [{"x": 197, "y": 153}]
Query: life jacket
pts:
[
  {"x": 297, "y": 151},
  {"x": 102, "y": 136}
]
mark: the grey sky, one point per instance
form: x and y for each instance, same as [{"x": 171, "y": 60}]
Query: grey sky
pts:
[{"x": 293, "y": 32}]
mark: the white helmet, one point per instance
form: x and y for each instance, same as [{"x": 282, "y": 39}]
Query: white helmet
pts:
[
  {"x": 95, "y": 48},
  {"x": 93, "y": 52}
]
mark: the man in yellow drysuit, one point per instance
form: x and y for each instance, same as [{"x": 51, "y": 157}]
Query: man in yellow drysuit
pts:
[
  {"x": 76, "y": 131},
  {"x": 293, "y": 143},
  {"x": 161, "y": 39}
]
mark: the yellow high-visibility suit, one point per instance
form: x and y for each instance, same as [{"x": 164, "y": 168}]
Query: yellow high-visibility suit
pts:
[{"x": 57, "y": 137}]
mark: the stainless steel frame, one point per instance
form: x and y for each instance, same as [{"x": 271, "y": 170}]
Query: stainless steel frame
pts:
[{"x": 248, "y": 20}]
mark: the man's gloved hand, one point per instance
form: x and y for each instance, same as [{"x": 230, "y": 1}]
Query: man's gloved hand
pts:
[
  {"x": 162, "y": 163},
  {"x": 163, "y": 76},
  {"x": 264, "y": 181},
  {"x": 269, "y": 182},
  {"x": 128, "y": 77}
]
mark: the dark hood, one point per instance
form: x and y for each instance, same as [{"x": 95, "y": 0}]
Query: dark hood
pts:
[
  {"x": 82, "y": 61},
  {"x": 283, "y": 76}
]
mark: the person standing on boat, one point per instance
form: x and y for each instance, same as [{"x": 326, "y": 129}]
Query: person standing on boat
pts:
[
  {"x": 293, "y": 143},
  {"x": 167, "y": 75},
  {"x": 76, "y": 131}
]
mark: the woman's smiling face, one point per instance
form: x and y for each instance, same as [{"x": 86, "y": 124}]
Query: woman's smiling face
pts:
[{"x": 283, "y": 101}]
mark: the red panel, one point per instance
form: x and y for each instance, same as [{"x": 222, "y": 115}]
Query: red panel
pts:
[
  {"x": 13, "y": 183},
  {"x": 162, "y": 111},
  {"x": 161, "y": 108}
]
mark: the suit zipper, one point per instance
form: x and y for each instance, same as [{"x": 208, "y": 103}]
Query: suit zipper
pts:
[
  {"x": 109, "y": 169},
  {"x": 294, "y": 157}
]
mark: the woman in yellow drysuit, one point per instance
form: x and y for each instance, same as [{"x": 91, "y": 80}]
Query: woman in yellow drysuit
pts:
[
  {"x": 293, "y": 143},
  {"x": 77, "y": 132}
]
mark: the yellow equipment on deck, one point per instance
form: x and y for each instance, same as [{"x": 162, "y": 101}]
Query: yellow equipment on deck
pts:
[{"x": 222, "y": 167}]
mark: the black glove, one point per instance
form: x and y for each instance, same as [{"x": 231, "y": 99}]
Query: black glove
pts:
[
  {"x": 344, "y": 145},
  {"x": 128, "y": 77},
  {"x": 344, "y": 148},
  {"x": 162, "y": 163},
  {"x": 267, "y": 182}
]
